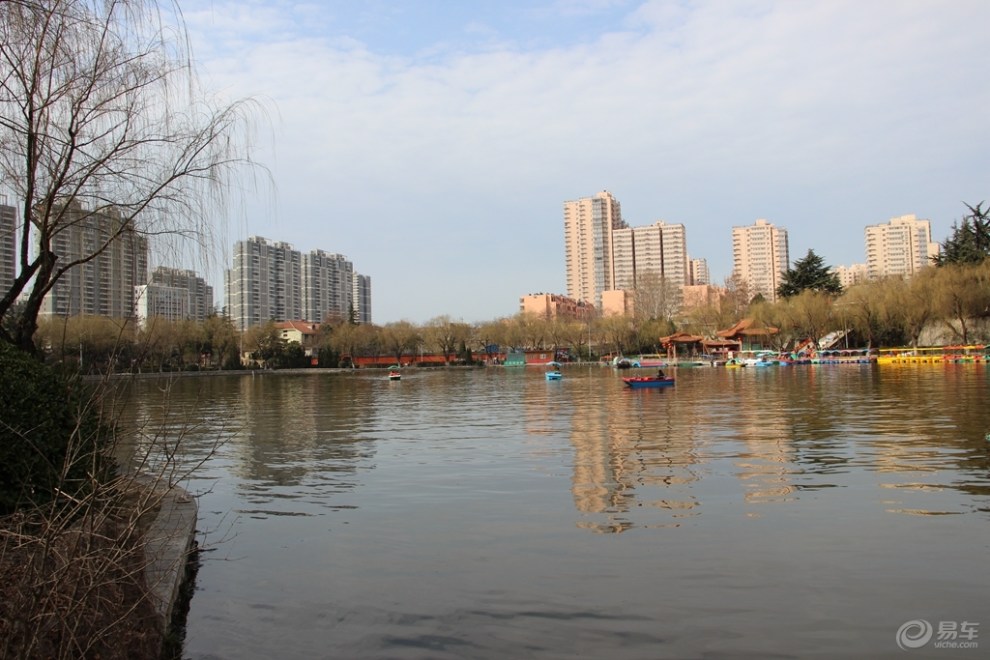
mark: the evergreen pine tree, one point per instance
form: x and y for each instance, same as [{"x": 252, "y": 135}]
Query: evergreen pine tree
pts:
[
  {"x": 970, "y": 241},
  {"x": 809, "y": 273}
]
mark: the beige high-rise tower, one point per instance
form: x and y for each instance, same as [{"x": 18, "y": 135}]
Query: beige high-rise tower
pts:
[
  {"x": 760, "y": 256},
  {"x": 588, "y": 226},
  {"x": 902, "y": 246}
]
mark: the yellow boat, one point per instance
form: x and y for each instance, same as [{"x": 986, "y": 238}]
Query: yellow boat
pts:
[{"x": 933, "y": 355}]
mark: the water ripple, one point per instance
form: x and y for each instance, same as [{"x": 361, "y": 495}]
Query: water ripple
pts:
[{"x": 489, "y": 514}]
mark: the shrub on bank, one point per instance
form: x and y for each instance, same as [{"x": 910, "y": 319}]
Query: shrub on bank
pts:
[{"x": 51, "y": 437}]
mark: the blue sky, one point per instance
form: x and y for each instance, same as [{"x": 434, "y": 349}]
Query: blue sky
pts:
[{"x": 434, "y": 142}]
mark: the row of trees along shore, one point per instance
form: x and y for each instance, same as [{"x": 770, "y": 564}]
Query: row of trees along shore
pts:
[{"x": 954, "y": 296}]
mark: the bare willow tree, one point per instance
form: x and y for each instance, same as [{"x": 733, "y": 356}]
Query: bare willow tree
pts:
[
  {"x": 531, "y": 329},
  {"x": 350, "y": 340},
  {"x": 399, "y": 338},
  {"x": 491, "y": 336},
  {"x": 656, "y": 297},
  {"x": 735, "y": 302},
  {"x": 961, "y": 296},
  {"x": 444, "y": 334},
  {"x": 101, "y": 117},
  {"x": 617, "y": 331}
]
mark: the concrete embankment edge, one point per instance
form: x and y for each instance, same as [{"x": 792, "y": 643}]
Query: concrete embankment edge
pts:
[{"x": 169, "y": 541}]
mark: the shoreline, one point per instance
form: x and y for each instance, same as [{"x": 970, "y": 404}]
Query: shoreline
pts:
[{"x": 169, "y": 546}]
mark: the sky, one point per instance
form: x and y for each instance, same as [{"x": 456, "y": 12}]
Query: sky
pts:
[{"x": 434, "y": 142}]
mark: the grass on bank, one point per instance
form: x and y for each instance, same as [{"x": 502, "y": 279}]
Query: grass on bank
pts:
[{"x": 72, "y": 521}]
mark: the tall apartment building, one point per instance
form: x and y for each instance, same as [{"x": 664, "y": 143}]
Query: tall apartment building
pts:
[
  {"x": 362, "y": 298},
  {"x": 659, "y": 249},
  {"x": 175, "y": 295},
  {"x": 8, "y": 246},
  {"x": 623, "y": 265},
  {"x": 902, "y": 247},
  {"x": 328, "y": 286},
  {"x": 265, "y": 283},
  {"x": 588, "y": 226},
  {"x": 104, "y": 285},
  {"x": 273, "y": 281},
  {"x": 760, "y": 257},
  {"x": 699, "y": 273}
]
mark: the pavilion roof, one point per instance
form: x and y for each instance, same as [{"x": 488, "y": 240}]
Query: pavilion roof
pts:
[
  {"x": 748, "y": 328},
  {"x": 681, "y": 338}
]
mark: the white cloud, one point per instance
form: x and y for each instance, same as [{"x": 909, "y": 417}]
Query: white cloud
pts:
[{"x": 822, "y": 117}]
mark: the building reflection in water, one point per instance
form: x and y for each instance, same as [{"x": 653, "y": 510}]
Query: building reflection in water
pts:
[
  {"x": 632, "y": 467},
  {"x": 779, "y": 434},
  {"x": 766, "y": 457}
]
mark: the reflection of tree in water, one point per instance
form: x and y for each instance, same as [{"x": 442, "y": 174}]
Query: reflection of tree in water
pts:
[
  {"x": 946, "y": 431},
  {"x": 179, "y": 422},
  {"x": 908, "y": 423}
]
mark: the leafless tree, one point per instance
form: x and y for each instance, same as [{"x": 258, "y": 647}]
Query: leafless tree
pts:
[
  {"x": 737, "y": 297},
  {"x": 811, "y": 314},
  {"x": 532, "y": 329},
  {"x": 491, "y": 334},
  {"x": 350, "y": 340},
  {"x": 400, "y": 337},
  {"x": 915, "y": 304},
  {"x": 962, "y": 295},
  {"x": 444, "y": 334},
  {"x": 617, "y": 331},
  {"x": 656, "y": 297},
  {"x": 101, "y": 117}
]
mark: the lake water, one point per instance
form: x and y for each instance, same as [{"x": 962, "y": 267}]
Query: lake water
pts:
[{"x": 783, "y": 512}]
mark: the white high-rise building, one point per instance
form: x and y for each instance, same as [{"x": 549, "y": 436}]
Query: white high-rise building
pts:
[
  {"x": 604, "y": 253},
  {"x": 699, "y": 272},
  {"x": 624, "y": 259},
  {"x": 173, "y": 294},
  {"x": 588, "y": 229},
  {"x": 902, "y": 247},
  {"x": 103, "y": 285},
  {"x": 760, "y": 257},
  {"x": 158, "y": 301},
  {"x": 659, "y": 249},
  {"x": 265, "y": 283},
  {"x": 328, "y": 286}
]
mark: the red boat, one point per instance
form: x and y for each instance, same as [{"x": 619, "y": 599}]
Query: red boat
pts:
[{"x": 648, "y": 381}]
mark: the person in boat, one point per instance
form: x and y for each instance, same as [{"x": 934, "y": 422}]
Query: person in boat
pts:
[{"x": 660, "y": 374}]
